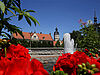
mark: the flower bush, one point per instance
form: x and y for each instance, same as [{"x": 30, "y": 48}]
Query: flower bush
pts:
[
  {"x": 69, "y": 62},
  {"x": 91, "y": 52},
  {"x": 15, "y": 60}
]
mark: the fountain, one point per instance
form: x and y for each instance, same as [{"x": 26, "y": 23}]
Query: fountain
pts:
[{"x": 68, "y": 44}]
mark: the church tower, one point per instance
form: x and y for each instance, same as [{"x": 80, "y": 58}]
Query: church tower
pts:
[
  {"x": 95, "y": 18},
  {"x": 56, "y": 34}
]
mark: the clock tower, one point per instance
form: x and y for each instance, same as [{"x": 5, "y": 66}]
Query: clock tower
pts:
[{"x": 56, "y": 34}]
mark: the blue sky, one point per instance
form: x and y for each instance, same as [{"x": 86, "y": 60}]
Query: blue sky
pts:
[{"x": 64, "y": 14}]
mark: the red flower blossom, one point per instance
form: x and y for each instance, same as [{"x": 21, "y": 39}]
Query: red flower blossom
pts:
[
  {"x": 98, "y": 73},
  {"x": 40, "y": 72},
  {"x": 86, "y": 50},
  {"x": 90, "y": 54},
  {"x": 38, "y": 68},
  {"x": 98, "y": 60},
  {"x": 96, "y": 55},
  {"x": 18, "y": 62},
  {"x": 68, "y": 62},
  {"x": 17, "y": 52}
]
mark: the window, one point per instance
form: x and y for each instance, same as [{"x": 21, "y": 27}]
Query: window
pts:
[
  {"x": 43, "y": 38},
  {"x": 34, "y": 37}
]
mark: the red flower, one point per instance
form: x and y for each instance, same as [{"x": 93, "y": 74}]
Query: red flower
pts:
[
  {"x": 68, "y": 62},
  {"x": 4, "y": 62},
  {"x": 96, "y": 55},
  {"x": 81, "y": 57},
  {"x": 37, "y": 68},
  {"x": 35, "y": 64},
  {"x": 98, "y": 73},
  {"x": 83, "y": 23},
  {"x": 17, "y": 52},
  {"x": 18, "y": 62},
  {"x": 98, "y": 60},
  {"x": 86, "y": 50},
  {"x": 18, "y": 67},
  {"x": 90, "y": 54},
  {"x": 40, "y": 71},
  {"x": 54, "y": 68}
]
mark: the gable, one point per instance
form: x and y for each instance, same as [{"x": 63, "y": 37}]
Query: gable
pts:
[{"x": 34, "y": 37}]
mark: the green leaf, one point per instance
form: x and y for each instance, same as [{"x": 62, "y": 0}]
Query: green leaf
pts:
[
  {"x": 9, "y": 3},
  {"x": 17, "y": 3},
  {"x": 28, "y": 20},
  {"x": 6, "y": 12},
  {"x": 13, "y": 4},
  {"x": 2, "y": 6},
  {"x": 24, "y": 9},
  {"x": 16, "y": 9},
  {"x": 31, "y": 11},
  {"x": 6, "y": 34},
  {"x": 34, "y": 20},
  {"x": 20, "y": 32},
  {"x": 27, "y": 13},
  {"x": 52, "y": 73},
  {"x": 3, "y": 35}
]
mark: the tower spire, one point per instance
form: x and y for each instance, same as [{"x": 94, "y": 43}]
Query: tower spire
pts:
[{"x": 95, "y": 18}]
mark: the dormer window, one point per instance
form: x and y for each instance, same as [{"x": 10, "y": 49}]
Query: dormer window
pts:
[
  {"x": 34, "y": 37},
  {"x": 43, "y": 38}
]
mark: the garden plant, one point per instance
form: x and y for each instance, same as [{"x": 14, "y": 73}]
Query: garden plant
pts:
[{"x": 15, "y": 59}]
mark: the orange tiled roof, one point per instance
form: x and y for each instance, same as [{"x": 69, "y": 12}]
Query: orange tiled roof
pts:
[
  {"x": 27, "y": 36},
  {"x": 47, "y": 36}
]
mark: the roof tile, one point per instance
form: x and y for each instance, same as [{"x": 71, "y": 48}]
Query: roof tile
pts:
[{"x": 27, "y": 36}]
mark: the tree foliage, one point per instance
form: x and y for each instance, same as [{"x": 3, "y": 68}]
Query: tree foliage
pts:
[
  {"x": 86, "y": 37},
  {"x": 57, "y": 43},
  {"x": 13, "y": 6}
]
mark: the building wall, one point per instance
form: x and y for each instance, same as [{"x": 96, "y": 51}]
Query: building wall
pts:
[{"x": 56, "y": 37}]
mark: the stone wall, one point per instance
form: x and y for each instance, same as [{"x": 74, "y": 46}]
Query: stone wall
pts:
[{"x": 46, "y": 55}]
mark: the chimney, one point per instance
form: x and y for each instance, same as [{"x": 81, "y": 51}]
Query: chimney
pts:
[
  {"x": 35, "y": 32},
  {"x": 40, "y": 32},
  {"x": 49, "y": 33}
]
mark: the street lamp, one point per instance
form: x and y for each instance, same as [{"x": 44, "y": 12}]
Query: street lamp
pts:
[{"x": 30, "y": 40}]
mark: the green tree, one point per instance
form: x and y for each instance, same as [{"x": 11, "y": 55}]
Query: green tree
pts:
[
  {"x": 90, "y": 38},
  {"x": 7, "y": 6},
  {"x": 23, "y": 42},
  {"x": 76, "y": 35},
  {"x": 62, "y": 45},
  {"x": 57, "y": 43}
]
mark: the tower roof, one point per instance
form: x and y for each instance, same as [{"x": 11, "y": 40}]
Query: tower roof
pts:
[
  {"x": 95, "y": 18},
  {"x": 56, "y": 32}
]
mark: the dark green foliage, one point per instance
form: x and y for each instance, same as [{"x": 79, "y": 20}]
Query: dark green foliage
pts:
[
  {"x": 23, "y": 42},
  {"x": 58, "y": 72},
  {"x": 90, "y": 38},
  {"x": 87, "y": 69},
  {"x": 76, "y": 35},
  {"x": 57, "y": 43},
  {"x": 62, "y": 45},
  {"x": 26, "y": 43},
  {"x": 86, "y": 37},
  {"x": 10, "y": 6}
]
